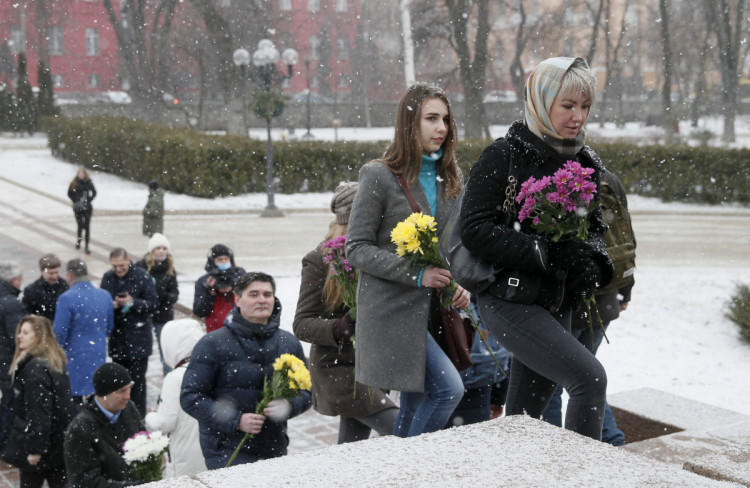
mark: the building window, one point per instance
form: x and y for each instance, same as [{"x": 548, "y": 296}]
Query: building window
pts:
[
  {"x": 55, "y": 41},
  {"x": 285, "y": 4},
  {"x": 15, "y": 40},
  {"x": 342, "y": 49},
  {"x": 58, "y": 81},
  {"x": 315, "y": 82},
  {"x": 313, "y": 5},
  {"x": 340, "y": 5},
  {"x": 94, "y": 81},
  {"x": 92, "y": 41},
  {"x": 314, "y": 46}
]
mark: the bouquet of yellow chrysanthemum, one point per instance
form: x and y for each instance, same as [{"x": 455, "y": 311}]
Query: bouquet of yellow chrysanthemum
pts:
[
  {"x": 290, "y": 376},
  {"x": 416, "y": 240}
]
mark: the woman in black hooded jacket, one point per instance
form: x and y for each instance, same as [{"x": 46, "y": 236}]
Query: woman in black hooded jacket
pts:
[{"x": 528, "y": 307}]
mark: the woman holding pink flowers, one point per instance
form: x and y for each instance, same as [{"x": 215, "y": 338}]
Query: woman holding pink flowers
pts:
[
  {"x": 396, "y": 302},
  {"x": 530, "y": 208},
  {"x": 326, "y": 318}
]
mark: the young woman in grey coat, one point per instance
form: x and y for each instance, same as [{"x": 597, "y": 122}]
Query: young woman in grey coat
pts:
[
  {"x": 323, "y": 320},
  {"x": 394, "y": 348}
]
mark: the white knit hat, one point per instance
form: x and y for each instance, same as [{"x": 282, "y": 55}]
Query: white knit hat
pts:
[{"x": 157, "y": 240}]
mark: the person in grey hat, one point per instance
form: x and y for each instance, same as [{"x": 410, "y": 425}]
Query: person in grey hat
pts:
[
  {"x": 153, "y": 212},
  {"x": 84, "y": 318},
  {"x": 323, "y": 320},
  {"x": 93, "y": 442}
]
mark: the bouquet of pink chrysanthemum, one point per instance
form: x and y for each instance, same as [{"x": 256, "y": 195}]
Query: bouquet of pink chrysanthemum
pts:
[
  {"x": 559, "y": 206},
  {"x": 343, "y": 272},
  {"x": 143, "y": 452}
]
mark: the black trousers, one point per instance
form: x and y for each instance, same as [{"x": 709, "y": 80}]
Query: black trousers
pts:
[
  {"x": 35, "y": 479},
  {"x": 545, "y": 354},
  {"x": 137, "y": 369},
  {"x": 83, "y": 219}
]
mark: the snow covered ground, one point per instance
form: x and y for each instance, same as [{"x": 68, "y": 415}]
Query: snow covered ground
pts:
[{"x": 674, "y": 337}]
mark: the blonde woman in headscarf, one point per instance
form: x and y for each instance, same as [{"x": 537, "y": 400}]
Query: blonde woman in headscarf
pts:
[{"x": 528, "y": 308}]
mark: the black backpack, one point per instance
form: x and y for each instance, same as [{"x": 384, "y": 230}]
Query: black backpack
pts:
[{"x": 619, "y": 238}]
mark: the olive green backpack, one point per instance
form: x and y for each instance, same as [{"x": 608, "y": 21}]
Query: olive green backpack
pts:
[{"x": 619, "y": 238}]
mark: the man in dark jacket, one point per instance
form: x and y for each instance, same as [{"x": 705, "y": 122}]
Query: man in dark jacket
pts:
[
  {"x": 135, "y": 299},
  {"x": 225, "y": 377},
  {"x": 94, "y": 439},
  {"x": 11, "y": 312},
  {"x": 41, "y": 296},
  {"x": 213, "y": 297}
]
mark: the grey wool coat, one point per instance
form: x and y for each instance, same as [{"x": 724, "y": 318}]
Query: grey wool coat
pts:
[{"x": 392, "y": 309}]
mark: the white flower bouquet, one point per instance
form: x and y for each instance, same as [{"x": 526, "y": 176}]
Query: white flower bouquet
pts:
[{"x": 143, "y": 452}]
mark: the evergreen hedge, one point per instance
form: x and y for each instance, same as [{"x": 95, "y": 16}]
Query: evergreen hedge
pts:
[{"x": 203, "y": 165}]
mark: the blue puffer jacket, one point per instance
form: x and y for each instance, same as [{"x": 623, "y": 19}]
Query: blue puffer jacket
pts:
[
  {"x": 224, "y": 379},
  {"x": 132, "y": 336}
]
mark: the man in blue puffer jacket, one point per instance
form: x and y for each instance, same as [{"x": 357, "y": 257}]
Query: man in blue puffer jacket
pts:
[{"x": 224, "y": 379}]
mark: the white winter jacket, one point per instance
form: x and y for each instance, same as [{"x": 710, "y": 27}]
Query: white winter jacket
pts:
[{"x": 185, "y": 457}]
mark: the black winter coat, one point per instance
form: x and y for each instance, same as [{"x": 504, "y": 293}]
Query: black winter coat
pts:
[
  {"x": 225, "y": 378},
  {"x": 11, "y": 313},
  {"x": 40, "y": 297},
  {"x": 93, "y": 447},
  {"x": 166, "y": 290},
  {"x": 484, "y": 233},
  {"x": 42, "y": 409},
  {"x": 83, "y": 189},
  {"x": 132, "y": 336}
]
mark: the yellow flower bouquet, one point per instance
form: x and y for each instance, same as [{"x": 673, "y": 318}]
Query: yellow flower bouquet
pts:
[
  {"x": 290, "y": 376},
  {"x": 416, "y": 240}
]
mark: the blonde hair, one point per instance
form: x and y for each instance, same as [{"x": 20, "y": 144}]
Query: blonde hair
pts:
[
  {"x": 332, "y": 297},
  {"x": 45, "y": 347},
  {"x": 404, "y": 154},
  {"x": 150, "y": 262}
]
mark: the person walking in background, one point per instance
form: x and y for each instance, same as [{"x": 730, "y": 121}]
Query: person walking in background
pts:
[
  {"x": 40, "y": 297},
  {"x": 84, "y": 318},
  {"x": 94, "y": 439},
  {"x": 528, "y": 307},
  {"x": 323, "y": 320},
  {"x": 135, "y": 299},
  {"x": 82, "y": 192},
  {"x": 153, "y": 212},
  {"x": 225, "y": 377},
  {"x": 11, "y": 312},
  {"x": 611, "y": 300},
  {"x": 160, "y": 265},
  {"x": 395, "y": 301},
  {"x": 213, "y": 299},
  {"x": 179, "y": 337},
  {"x": 43, "y": 406}
]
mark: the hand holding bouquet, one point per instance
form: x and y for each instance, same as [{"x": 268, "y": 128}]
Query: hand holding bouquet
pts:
[
  {"x": 143, "y": 453},
  {"x": 290, "y": 376}
]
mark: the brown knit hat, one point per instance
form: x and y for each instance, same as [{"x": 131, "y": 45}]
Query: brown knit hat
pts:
[{"x": 341, "y": 203}]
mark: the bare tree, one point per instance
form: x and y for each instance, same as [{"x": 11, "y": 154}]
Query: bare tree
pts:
[
  {"x": 669, "y": 120},
  {"x": 612, "y": 53},
  {"x": 727, "y": 22},
  {"x": 517, "y": 73},
  {"x": 595, "y": 9}
]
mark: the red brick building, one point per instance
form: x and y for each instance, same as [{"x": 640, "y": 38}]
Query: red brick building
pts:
[{"x": 77, "y": 35}]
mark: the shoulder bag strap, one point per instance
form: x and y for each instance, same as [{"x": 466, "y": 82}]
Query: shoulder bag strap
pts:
[{"x": 409, "y": 195}]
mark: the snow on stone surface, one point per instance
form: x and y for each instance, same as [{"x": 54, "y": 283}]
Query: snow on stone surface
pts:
[{"x": 513, "y": 451}]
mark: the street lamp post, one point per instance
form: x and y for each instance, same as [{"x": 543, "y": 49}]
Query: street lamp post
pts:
[{"x": 267, "y": 103}]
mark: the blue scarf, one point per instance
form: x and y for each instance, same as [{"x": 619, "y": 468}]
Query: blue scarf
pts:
[{"x": 428, "y": 177}]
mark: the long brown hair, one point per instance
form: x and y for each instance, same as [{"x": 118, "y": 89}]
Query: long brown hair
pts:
[
  {"x": 332, "y": 298},
  {"x": 74, "y": 182},
  {"x": 46, "y": 346},
  {"x": 404, "y": 154}
]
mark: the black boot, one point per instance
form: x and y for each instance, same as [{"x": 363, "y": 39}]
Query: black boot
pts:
[{"x": 78, "y": 243}]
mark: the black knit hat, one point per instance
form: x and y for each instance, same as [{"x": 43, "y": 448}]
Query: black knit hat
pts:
[
  {"x": 153, "y": 185},
  {"x": 109, "y": 378},
  {"x": 221, "y": 250}
]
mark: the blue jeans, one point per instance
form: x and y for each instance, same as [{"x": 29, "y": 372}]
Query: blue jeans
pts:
[
  {"x": 553, "y": 414},
  {"x": 428, "y": 411}
]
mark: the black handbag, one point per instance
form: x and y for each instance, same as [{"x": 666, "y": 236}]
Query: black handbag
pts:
[{"x": 472, "y": 273}]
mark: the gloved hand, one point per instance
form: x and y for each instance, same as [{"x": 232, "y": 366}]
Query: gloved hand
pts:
[
  {"x": 278, "y": 410},
  {"x": 584, "y": 279},
  {"x": 343, "y": 328},
  {"x": 570, "y": 255}
]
